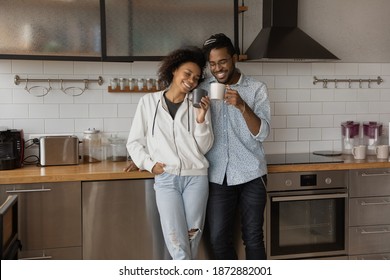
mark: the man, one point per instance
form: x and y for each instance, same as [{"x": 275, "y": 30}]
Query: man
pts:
[{"x": 238, "y": 168}]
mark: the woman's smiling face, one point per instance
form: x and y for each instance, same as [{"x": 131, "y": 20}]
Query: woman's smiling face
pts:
[{"x": 187, "y": 76}]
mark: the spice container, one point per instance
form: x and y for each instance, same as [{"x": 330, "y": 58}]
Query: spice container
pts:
[
  {"x": 116, "y": 149},
  {"x": 92, "y": 146}
]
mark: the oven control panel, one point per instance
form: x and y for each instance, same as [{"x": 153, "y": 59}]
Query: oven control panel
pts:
[{"x": 307, "y": 180}]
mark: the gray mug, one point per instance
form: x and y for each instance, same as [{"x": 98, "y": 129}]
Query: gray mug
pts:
[{"x": 197, "y": 95}]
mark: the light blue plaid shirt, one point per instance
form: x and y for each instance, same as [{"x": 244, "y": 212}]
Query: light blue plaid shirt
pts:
[{"x": 236, "y": 152}]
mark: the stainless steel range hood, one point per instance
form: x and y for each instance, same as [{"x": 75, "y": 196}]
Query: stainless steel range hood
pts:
[{"x": 281, "y": 39}]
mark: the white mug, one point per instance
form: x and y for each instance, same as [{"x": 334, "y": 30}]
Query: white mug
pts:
[
  {"x": 359, "y": 152},
  {"x": 382, "y": 151},
  {"x": 217, "y": 91}
]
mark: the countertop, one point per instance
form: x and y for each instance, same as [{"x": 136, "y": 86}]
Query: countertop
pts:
[{"x": 107, "y": 170}]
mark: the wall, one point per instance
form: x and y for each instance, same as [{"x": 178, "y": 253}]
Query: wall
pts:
[{"x": 305, "y": 117}]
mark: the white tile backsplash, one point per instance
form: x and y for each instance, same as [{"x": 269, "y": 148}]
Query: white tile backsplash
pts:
[
  {"x": 306, "y": 134},
  {"x": 5, "y": 66},
  {"x": 299, "y": 69},
  {"x": 347, "y": 69},
  {"x": 13, "y": 111},
  {"x": 73, "y": 111},
  {"x": 116, "y": 69},
  {"x": 287, "y": 82},
  {"x": 6, "y": 95},
  {"x": 58, "y": 67},
  {"x": 298, "y": 95},
  {"x": 310, "y": 108},
  {"x": 369, "y": 69},
  {"x": 321, "y": 121},
  {"x": 275, "y": 69},
  {"x": 298, "y": 121},
  {"x": 385, "y": 69},
  {"x": 44, "y": 111},
  {"x": 59, "y": 126},
  {"x": 333, "y": 108},
  {"x": 88, "y": 68},
  {"x": 305, "y": 117},
  {"x": 23, "y": 67},
  {"x": 103, "y": 110}
]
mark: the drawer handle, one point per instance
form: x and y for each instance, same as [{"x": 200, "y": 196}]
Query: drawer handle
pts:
[
  {"x": 28, "y": 191},
  {"x": 375, "y": 231},
  {"x": 384, "y": 173},
  {"x": 38, "y": 258},
  {"x": 384, "y": 202}
]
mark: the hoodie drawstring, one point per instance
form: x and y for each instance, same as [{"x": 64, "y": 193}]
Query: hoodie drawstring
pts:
[{"x": 188, "y": 116}]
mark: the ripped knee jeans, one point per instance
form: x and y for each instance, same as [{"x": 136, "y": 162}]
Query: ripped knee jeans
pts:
[{"x": 181, "y": 203}]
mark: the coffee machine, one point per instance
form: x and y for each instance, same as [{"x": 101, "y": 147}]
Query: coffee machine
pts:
[{"x": 11, "y": 149}]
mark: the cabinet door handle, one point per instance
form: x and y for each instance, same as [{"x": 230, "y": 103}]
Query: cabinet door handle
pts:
[
  {"x": 383, "y": 202},
  {"x": 38, "y": 258},
  {"x": 375, "y": 231},
  {"x": 28, "y": 191},
  {"x": 384, "y": 173}
]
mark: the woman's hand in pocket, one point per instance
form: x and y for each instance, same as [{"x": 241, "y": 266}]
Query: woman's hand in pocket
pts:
[{"x": 158, "y": 168}]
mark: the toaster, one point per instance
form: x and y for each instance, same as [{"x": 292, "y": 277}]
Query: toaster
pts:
[{"x": 58, "y": 150}]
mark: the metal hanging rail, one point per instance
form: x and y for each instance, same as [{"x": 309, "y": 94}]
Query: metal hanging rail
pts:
[
  {"x": 325, "y": 82},
  {"x": 17, "y": 80}
]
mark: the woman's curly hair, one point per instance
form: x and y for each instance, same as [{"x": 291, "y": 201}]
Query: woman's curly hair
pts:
[{"x": 176, "y": 58}]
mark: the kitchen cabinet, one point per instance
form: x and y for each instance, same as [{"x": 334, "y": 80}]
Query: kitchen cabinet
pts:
[
  {"x": 49, "y": 219},
  {"x": 46, "y": 29},
  {"x": 369, "y": 214},
  {"x": 115, "y": 30},
  {"x": 149, "y": 30}
]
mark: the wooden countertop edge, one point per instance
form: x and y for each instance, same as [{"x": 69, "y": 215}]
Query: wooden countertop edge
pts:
[
  {"x": 78, "y": 177},
  {"x": 114, "y": 171},
  {"x": 327, "y": 166},
  {"x": 71, "y": 173}
]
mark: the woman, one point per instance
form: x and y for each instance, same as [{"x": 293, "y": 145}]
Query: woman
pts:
[{"x": 169, "y": 138}]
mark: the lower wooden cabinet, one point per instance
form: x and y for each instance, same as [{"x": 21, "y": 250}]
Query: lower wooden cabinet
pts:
[{"x": 49, "y": 219}]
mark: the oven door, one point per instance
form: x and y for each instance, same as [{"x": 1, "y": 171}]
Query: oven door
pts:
[{"x": 307, "y": 224}]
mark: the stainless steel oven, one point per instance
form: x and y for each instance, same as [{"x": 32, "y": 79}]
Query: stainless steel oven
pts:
[{"x": 307, "y": 215}]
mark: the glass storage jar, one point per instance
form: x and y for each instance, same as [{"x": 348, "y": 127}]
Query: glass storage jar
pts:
[
  {"x": 92, "y": 146},
  {"x": 116, "y": 149}
]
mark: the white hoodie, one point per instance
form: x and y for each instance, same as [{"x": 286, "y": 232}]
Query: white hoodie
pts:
[{"x": 179, "y": 143}]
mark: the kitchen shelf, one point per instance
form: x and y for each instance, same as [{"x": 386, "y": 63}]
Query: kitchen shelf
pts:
[{"x": 127, "y": 89}]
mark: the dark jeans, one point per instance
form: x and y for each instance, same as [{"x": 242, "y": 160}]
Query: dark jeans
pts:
[{"x": 223, "y": 203}]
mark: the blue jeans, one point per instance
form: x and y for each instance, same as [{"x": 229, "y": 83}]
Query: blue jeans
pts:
[
  {"x": 181, "y": 203},
  {"x": 224, "y": 202}
]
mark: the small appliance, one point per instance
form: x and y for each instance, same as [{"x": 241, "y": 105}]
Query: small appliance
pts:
[
  {"x": 11, "y": 149},
  {"x": 58, "y": 150}
]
